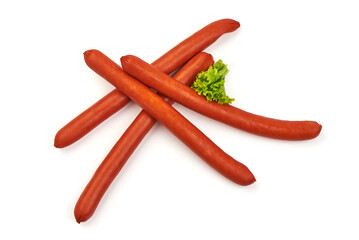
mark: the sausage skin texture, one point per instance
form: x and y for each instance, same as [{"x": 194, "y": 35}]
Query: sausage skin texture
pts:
[
  {"x": 159, "y": 109},
  {"x": 126, "y": 145},
  {"x": 170, "y": 61},
  {"x": 252, "y": 123}
]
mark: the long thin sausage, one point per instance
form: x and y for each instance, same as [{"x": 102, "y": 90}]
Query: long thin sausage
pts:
[
  {"x": 255, "y": 124},
  {"x": 169, "y": 62},
  {"x": 159, "y": 109},
  {"x": 90, "y": 118},
  {"x": 126, "y": 145}
]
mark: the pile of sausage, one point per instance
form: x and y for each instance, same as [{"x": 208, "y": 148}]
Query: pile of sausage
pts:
[{"x": 132, "y": 82}]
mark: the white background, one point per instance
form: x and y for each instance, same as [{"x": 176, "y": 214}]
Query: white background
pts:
[{"x": 295, "y": 60}]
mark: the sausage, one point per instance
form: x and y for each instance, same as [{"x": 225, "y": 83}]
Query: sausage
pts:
[
  {"x": 90, "y": 118},
  {"x": 163, "y": 112},
  {"x": 194, "y": 44},
  {"x": 252, "y": 123},
  {"x": 169, "y": 62},
  {"x": 126, "y": 145}
]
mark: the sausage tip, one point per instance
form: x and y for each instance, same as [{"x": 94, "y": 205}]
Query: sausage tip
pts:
[
  {"x": 232, "y": 24},
  {"x": 125, "y": 60},
  {"x": 316, "y": 129},
  {"x": 56, "y": 145},
  {"x": 236, "y": 24},
  {"x": 86, "y": 53},
  {"x": 253, "y": 180},
  {"x": 248, "y": 179},
  {"x": 80, "y": 218},
  {"x": 62, "y": 138},
  {"x": 57, "y": 141},
  {"x": 90, "y": 52},
  {"x": 319, "y": 128}
]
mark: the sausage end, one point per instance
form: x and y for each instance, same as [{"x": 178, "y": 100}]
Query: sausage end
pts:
[
  {"x": 59, "y": 142},
  {"x": 247, "y": 179}
]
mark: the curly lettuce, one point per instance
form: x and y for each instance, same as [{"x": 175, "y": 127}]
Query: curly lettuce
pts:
[{"x": 210, "y": 83}]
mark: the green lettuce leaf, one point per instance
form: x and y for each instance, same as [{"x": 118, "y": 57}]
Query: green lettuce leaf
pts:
[{"x": 210, "y": 83}]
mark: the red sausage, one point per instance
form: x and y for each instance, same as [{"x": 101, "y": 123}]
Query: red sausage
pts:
[
  {"x": 259, "y": 125},
  {"x": 169, "y": 62},
  {"x": 126, "y": 145},
  {"x": 159, "y": 109},
  {"x": 194, "y": 44},
  {"x": 90, "y": 118}
]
